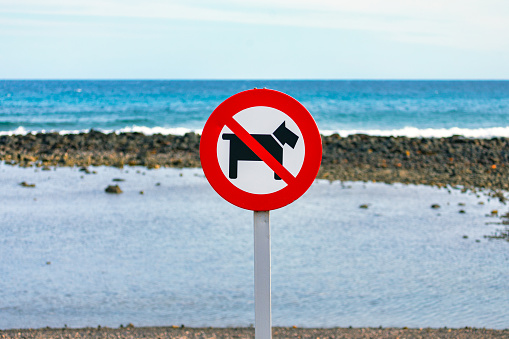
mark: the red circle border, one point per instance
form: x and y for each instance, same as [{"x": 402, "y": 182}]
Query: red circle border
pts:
[{"x": 269, "y": 98}]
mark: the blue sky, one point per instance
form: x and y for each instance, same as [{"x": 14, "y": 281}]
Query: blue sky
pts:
[{"x": 268, "y": 39}]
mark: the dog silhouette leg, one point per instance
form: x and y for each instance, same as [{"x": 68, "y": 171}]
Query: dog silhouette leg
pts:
[
  {"x": 233, "y": 169},
  {"x": 279, "y": 157}
]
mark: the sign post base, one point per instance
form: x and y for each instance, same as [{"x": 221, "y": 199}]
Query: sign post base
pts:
[{"x": 262, "y": 267}]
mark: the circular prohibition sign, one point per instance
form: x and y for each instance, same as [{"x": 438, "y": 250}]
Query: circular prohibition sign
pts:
[{"x": 223, "y": 116}]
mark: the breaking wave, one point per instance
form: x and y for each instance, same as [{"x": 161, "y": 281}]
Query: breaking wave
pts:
[{"x": 411, "y": 132}]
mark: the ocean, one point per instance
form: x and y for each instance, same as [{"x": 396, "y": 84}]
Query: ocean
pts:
[{"x": 399, "y": 108}]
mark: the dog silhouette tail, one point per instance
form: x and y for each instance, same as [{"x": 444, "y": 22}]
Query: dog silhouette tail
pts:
[{"x": 285, "y": 136}]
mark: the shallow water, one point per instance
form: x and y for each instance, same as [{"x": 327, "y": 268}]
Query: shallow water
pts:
[{"x": 179, "y": 254}]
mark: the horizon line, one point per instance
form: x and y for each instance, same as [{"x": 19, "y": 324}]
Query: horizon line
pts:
[{"x": 249, "y": 79}]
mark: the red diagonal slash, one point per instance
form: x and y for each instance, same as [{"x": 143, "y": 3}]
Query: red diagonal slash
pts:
[{"x": 260, "y": 151}]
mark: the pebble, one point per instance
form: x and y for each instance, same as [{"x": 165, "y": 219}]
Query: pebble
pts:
[
  {"x": 25, "y": 184},
  {"x": 113, "y": 189}
]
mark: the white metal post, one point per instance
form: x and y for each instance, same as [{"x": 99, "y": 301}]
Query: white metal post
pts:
[{"x": 262, "y": 266}]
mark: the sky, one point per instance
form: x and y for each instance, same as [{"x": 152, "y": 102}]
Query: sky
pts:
[{"x": 254, "y": 39}]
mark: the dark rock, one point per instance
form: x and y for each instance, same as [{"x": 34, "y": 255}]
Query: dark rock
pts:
[
  {"x": 364, "y": 206},
  {"x": 435, "y": 206},
  {"x": 84, "y": 169},
  {"x": 113, "y": 189},
  {"x": 25, "y": 184},
  {"x": 500, "y": 196},
  {"x": 118, "y": 179}
]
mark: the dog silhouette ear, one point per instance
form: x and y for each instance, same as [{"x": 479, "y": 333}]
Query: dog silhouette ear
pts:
[{"x": 285, "y": 136}]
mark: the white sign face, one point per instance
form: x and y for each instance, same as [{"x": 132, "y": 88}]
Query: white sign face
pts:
[{"x": 277, "y": 133}]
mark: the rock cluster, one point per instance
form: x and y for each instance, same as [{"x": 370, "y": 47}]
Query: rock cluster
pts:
[
  {"x": 472, "y": 163},
  {"x": 501, "y": 233},
  {"x": 95, "y": 149},
  {"x": 430, "y": 161}
]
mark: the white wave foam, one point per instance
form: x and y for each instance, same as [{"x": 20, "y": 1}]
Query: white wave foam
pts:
[
  {"x": 140, "y": 129},
  {"x": 157, "y": 130},
  {"x": 18, "y": 131},
  {"x": 411, "y": 132}
]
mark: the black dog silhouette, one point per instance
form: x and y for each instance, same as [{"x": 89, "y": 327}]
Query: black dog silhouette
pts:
[{"x": 239, "y": 150}]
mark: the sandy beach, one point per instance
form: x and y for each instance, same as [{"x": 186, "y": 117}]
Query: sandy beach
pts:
[{"x": 277, "y": 332}]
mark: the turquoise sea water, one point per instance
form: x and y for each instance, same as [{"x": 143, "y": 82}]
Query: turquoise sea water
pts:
[{"x": 412, "y": 108}]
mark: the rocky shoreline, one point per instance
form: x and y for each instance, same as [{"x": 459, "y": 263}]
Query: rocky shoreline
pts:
[
  {"x": 468, "y": 164},
  {"x": 248, "y": 332},
  {"x": 471, "y": 163}
]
